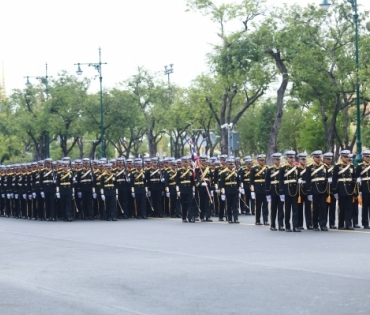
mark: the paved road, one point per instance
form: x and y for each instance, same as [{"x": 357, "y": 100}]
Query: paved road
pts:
[{"x": 163, "y": 266}]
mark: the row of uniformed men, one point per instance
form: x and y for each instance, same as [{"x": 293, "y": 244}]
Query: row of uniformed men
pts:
[
  {"x": 48, "y": 190},
  {"x": 310, "y": 191}
]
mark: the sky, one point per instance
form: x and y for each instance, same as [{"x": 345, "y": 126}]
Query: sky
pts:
[{"x": 131, "y": 33}]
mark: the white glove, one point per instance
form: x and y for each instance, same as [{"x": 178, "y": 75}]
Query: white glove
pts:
[
  {"x": 116, "y": 197},
  {"x": 3, "y": 196},
  {"x": 217, "y": 191},
  {"x": 12, "y": 195},
  {"x": 42, "y": 194},
  {"x": 128, "y": 180},
  {"x": 30, "y": 197},
  {"x": 239, "y": 196},
  {"x": 25, "y": 196},
  {"x": 168, "y": 195},
  {"x": 193, "y": 194},
  {"x": 300, "y": 181},
  {"x": 8, "y": 196},
  {"x": 178, "y": 194},
  {"x": 79, "y": 194},
  {"x": 330, "y": 180},
  {"x": 34, "y": 195},
  {"x": 103, "y": 197},
  {"x": 223, "y": 197},
  {"x": 336, "y": 196},
  {"x": 133, "y": 195},
  {"x": 242, "y": 191},
  {"x": 149, "y": 194},
  {"x": 162, "y": 179},
  {"x": 253, "y": 195},
  {"x": 358, "y": 180},
  {"x": 94, "y": 195},
  {"x": 16, "y": 196},
  {"x": 211, "y": 193},
  {"x": 309, "y": 197},
  {"x": 57, "y": 195},
  {"x": 204, "y": 184},
  {"x": 360, "y": 194},
  {"x": 282, "y": 198},
  {"x": 268, "y": 197}
]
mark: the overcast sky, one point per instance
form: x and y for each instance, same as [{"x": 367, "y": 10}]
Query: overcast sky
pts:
[{"x": 131, "y": 33}]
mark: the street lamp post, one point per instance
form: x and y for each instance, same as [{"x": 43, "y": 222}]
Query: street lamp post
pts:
[
  {"x": 167, "y": 71},
  {"x": 97, "y": 67},
  {"x": 325, "y": 6},
  {"x": 229, "y": 127},
  {"x": 45, "y": 80}
]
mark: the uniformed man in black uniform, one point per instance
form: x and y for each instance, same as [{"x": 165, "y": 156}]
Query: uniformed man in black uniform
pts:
[
  {"x": 47, "y": 183},
  {"x": 64, "y": 184},
  {"x": 273, "y": 195},
  {"x": 204, "y": 181},
  {"x": 217, "y": 177},
  {"x": 343, "y": 187},
  {"x": 258, "y": 189},
  {"x": 363, "y": 181},
  {"x": 153, "y": 184},
  {"x": 185, "y": 189},
  {"x": 355, "y": 199},
  {"x": 85, "y": 184},
  {"x": 316, "y": 181},
  {"x": 330, "y": 200},
  {"x": 248, "y": 205},
  {"x": 123, "y": 188},
  {"x": 288, "y": 189},
  {"x": 304, "y": 203},
  {"x": 139, "y": 190},
  {"x": 108, "y": 192},
  {"x": 170, "y": 189},
  {"x": 230, "y": 189}
]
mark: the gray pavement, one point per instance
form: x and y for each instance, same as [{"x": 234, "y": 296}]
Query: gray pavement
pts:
[{"x": 163, "y": 266}]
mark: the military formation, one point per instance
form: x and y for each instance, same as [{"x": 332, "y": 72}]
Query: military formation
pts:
[{"x": 283, "y": 196}]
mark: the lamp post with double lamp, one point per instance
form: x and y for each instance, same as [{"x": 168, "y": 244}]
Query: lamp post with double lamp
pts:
[
  {"x": 325, "y": 5},
  {"x": 168, "y": 70},
  {"x": 44, "y": 80},
  {"x": 97, "y": 67},
  {"x": 229, "y": 127}
]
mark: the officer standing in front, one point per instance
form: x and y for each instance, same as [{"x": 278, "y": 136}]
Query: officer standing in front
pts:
[
  {"x": 343, "y": 187},
  {"x": 288, "y": 189},
  {"x": 363, "y": 181}
]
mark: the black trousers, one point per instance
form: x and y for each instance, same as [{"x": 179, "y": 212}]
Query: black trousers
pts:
[
  {"x": 50, "y": 204},
  {"x": 261, "y": 203},
  {"x": 277, "y": 207},
  {"x": 140, "y": 200},
  {"x": 173, "y": 209},
  {"x": 331, "y": 209},
  {"x": 66, "y": 205},
  {"x": 186, "y": 205},
  {"x": 345, "y": 211},
  {"x": 232, "y": 206},
  {"x": 320, "y": 215},
  {"x": 291, "y": 208},
  {"x": 304, "y": 210},
  {"x": 87, "y": 200},
  {"x": 110, "y": 203},
  {"x": 365, "y": 209},
  {"x": 156, "y": 196},
  {"x": 123, "y": 197},
  {"x": 355, "y": 212},
  {"x": 204, "y": 205},
  {"x": 221, "y": 208}
]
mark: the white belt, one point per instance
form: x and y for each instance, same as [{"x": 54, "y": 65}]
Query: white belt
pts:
[
  {"x": 345, "y": 180},
  {"x": 289, "y": 181},
  {"x": 318, "y": 179}
]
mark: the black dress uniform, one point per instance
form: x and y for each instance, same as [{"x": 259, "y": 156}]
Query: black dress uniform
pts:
[
  {"x": 249, "y": 204},
  {"x": 217, "y": 176},
  {"x": 330, "y": 200},
  {"x": 64, "y": 185},
  {"x": 288, "y": 189},
  {"x": 343, "y": 187},
  {"x": 47, "y": 183},
  {"x": 258, "y": 189},
  {"x": 108, "y": 193},
  {"x": 85, "y": 182},
  {"x": 186, "y": 190},
  {"x": 229, "y": 186},
  {"x": 304, "y": 202},
  {"x": 204, "y": 181},
  {"x": 272, "y": 193},
  {"x": 170, "y": 189},
  {"x": 316, "y": 179},
  {"x": 363, "y": 181},
  {"x": 153, "y": 176},
  {"x": 138, "y": 189},
  {"x": 123, "y": 187}
]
